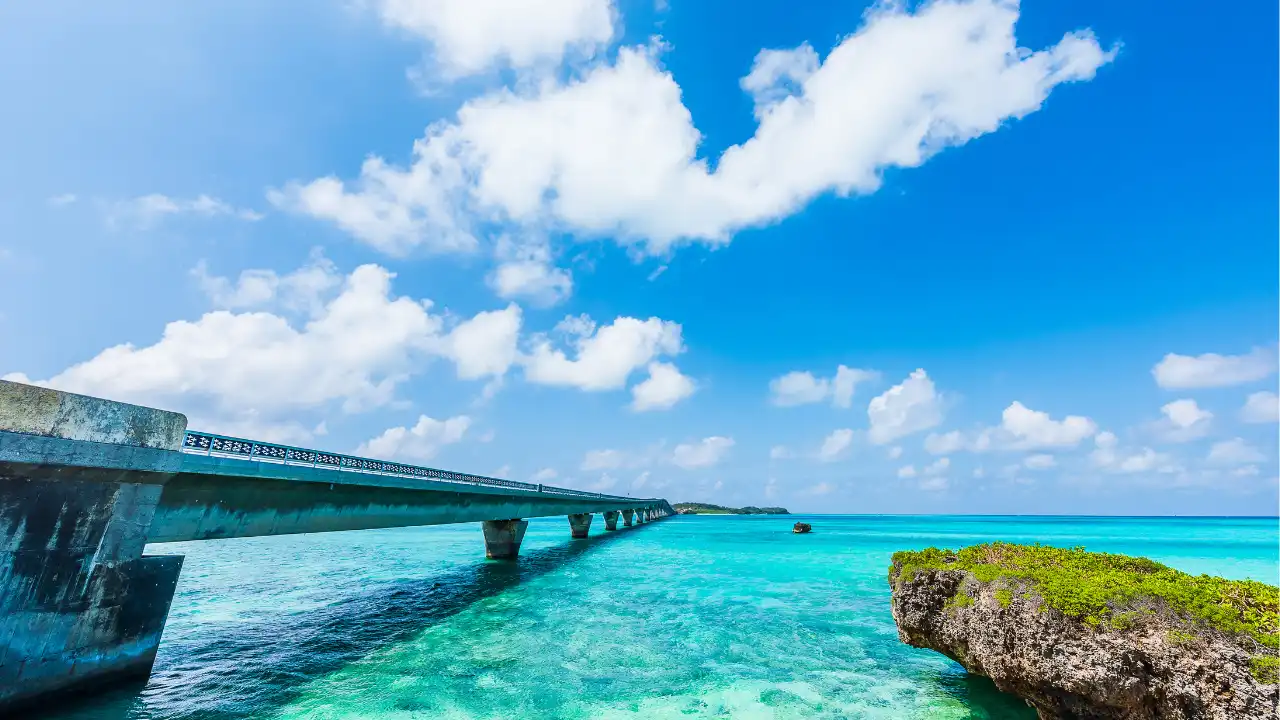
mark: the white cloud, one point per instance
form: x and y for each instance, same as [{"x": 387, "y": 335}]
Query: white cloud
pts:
[
  {"x": 484, "y": 345},
  {"x": 911, "y": 406},
  {"x": 641, "y": 480},
  {"x": 835, "y": 444},
  {"x": 144, "y": 212},
  {"x": 937, "y": 467},
  {"x": 606, "y": 356},
  {"x": 1261, "y": 407},
  {"x": 62, "y": 200},
  {"x": 846, "y": 382},
  {"x": 1107, "y": 455},
  {"x": 944, "y": 444},
  {"x": 1183, "y": 421},
  {"x": 894, "y": 452},
  {"x": 779, "y": 452},
  {"x": 1039, "y": 462},
  {"x": 502, "y": 472},
  {"x": 357, "y": 349},
  {"x": 663, "y": 389},
  {"x": 471, "y": 37},
  {"x": 907, "y": 471},
  {"x": 798, "y": 388},
  {"x": 525, "y": 271},
  {"x": 1032, "y": 429},
  {"x": 421, "y": 442},
  {"x": 605, "y": 482},
  {"x": 822, "y": 488},
  {"x": 704, "y": 453},
  {"x": 1246, "y": 471},
  {"x": 303, "y": 290},
  {"x": 614, "y": 152},
  {"x": 935, "y": 484},
  {"x": 602, "y": 460},
  {"x": 1235, "y": 452},
  {"x": 544, "y": 475},
  {"x": 1212, "y": 370}
]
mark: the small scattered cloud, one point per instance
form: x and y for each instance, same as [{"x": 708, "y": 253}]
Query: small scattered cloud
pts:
[
  {"x": 835, "y": 445},
  {"x": 1210, "y": 370},
  {"x": 148, "y": 210},
  {"x": 1234, "y": 452},
  {"x": 664, "y": 387},
  {"x": 908, "y": 407},
  {"x": 544, "y": 475},
  {"x": 602, "y": 460},
  {"x": 779, "y": 452},
  {"x": 907, "y": 471},
  {"x": 803, "y": 388},
  {"x": 1183, "y": 421},
  {"x": 1261, "y": 407},
  {"x": 62, "y": 200},
  {"x": 704, "y": 453},
  {"x": 420, "y": 442},
  {"x": 1039, "y": 462}
]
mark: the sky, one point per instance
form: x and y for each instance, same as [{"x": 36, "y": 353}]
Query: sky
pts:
[{"x": 960, "y": 256}]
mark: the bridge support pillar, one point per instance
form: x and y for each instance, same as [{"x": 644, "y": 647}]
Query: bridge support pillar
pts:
[
  {"x": 80, "y": 605},
  {"x": 611, "y": 520},
  {"x": 502, "y": 538},
  {"x": 579, "y": 525},
  {"x": 628, "y": 517}
]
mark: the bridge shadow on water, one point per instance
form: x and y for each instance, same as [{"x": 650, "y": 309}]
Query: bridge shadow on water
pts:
[{"x": 250, "y": 671}]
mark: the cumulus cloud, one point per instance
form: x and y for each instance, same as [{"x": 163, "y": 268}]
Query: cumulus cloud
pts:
[
  {"x": 835, "y": 444},
  {"x": 605, "y": 356},
  {"x": 909, "y": 407},
  {"x": 894, "y": 452},
  {"x": 525, "y": 271},
  {"x": 1107, "y": 455},
  {"x": 1035, "y": 429},
  {"x": 945, "y": 443},
  {"x": 1039, "y": 462},
  {"x": 937, "y": 467},
  {"x": 1210, "y": 370},
  {"x": 613, "y": 151},
  {"x": 779, "y": 452},
  {"x": 1235, "y": 452},
  {"x": 1261, "y": 407},
  {"x": 907, "y": 471},
  {"x": 1184, "y": 420},
  {"x": 935, "y": 484},
  {"x": 148, "y": 210},
  {"x": 303, "y": 290},
  {"x": 665, "y": 387},
  {"x": 544, "y": 475},
  {"x": 420, "y": 442},
  {"x": 705, "y": 453},
  {"x": 470, "y": 37},
  {"x": 801, "y": 387},
  {"x": 603, "y": 460}
]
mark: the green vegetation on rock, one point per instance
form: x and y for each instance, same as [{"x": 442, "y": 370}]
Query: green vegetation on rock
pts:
[
  {"x": 1103, "y": 589},
  {"x": 708, "y": 509}
]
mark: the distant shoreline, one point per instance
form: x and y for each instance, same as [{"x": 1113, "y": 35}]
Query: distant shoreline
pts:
[{"x": 709, "y": 509}]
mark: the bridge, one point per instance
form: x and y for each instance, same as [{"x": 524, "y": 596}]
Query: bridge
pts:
[{"x": 86, "y": 483}]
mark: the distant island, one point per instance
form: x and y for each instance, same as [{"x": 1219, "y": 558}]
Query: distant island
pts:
[{"x": 708, "y": 509}]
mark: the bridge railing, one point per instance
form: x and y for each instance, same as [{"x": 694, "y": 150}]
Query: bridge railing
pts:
[{"x": 202, "y": 443}]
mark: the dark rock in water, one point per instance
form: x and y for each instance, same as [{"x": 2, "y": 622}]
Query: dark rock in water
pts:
[
  {"x": 1091, "y": 636},
  {"x": 801, "y": 528}
]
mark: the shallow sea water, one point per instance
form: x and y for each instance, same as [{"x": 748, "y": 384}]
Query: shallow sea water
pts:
[{"x": 689, "y": 617}]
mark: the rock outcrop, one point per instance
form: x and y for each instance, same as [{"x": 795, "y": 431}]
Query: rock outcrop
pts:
[
  {"x": 801, "y": 527},
  {"x": 1073, "y": 649}
]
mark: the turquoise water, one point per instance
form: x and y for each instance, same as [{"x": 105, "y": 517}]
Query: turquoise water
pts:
[{"x": 689, "y": 617}]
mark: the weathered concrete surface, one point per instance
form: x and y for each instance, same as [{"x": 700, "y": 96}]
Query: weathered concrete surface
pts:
[
  {"x": 502, "y": 538},
  {"x": 50, "y": 413},
  {"x": 611, "y": 520},
  {"x": 79, "y": 481},
  {"x": 628, "y": 517},
  {"x": 580, "y": 525}
]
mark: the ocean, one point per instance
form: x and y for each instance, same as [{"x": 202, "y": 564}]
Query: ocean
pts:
[{"x": 687, "y": 617}]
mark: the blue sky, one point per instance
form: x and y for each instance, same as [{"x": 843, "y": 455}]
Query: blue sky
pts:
[{"x": 600, "y": 243}]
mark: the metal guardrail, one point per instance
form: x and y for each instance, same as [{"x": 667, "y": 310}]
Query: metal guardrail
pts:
[{"x": 210, "y": 444}]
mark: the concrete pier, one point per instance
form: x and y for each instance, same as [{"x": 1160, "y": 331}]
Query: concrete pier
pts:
[
  {"x": 611, "y": 520},
  {"x": 502, "y": 538},
  {"x": 628, "y": 517},
  {"x": 80, "y": 605},
  {"x": 579, "y": 525}
]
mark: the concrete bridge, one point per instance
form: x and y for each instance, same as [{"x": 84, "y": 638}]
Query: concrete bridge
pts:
[{"x": 86, "y": 483}]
